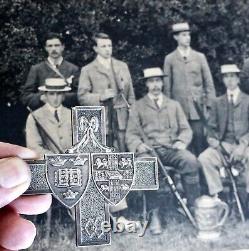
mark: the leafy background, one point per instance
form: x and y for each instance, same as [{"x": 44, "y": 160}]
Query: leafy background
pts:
[{"x": 140, "y": 30}]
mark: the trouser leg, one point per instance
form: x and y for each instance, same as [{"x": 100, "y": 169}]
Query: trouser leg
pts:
[
  {"x": 211, "y": 162},
  {"x": 246, "y": 171},
  {"x": 188, "y": 166}
]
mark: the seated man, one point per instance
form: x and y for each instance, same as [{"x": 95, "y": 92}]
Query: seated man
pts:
[
  {"x": 163, "y": 123},
  {"x": 229, "y": 126},
  {"x": 48, "y": 129}
]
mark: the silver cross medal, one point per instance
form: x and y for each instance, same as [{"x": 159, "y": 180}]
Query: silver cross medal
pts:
[{"x": 91, "y": 176}]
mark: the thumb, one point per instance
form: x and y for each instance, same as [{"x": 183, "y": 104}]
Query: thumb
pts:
[{"x": 9, "y": 150}]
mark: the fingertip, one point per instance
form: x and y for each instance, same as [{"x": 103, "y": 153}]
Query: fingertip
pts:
[
  {"x": 26, "y": 153},
  {"x": 10, "y": 150}
]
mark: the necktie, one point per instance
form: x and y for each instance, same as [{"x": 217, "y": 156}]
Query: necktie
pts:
[
  {"x": 156, "y": 103},
  {"x": 56, "y": 116}
]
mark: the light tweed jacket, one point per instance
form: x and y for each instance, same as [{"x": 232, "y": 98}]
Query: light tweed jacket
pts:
[
  {"x": 95, "y": 79},
  {"x": 60, "y": 132},
  {"x": 161, "y": 127},
  {"x": 188, "y": 80}
]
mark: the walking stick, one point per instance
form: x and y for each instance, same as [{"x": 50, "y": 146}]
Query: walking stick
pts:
[
  {"x": 167, "y": 176},
  {"x": 228, "y": 166}
]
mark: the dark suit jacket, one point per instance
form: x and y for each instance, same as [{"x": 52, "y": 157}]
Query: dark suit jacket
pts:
[
  {"x": 188, "y": 80},
  {"x": 219, "y": 118},
  {"x": 30, "y": 96}
]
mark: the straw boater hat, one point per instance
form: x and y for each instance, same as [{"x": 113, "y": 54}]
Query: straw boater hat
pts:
[
  {"x": 153, "y": 72},
  {"x": 54, "y": 85},
  {"x": 229, "y": 68},
  {"x": 180, "y": 27}
]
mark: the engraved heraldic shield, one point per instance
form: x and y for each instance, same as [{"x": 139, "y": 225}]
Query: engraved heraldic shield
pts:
[
  {"x": 113, "y": 174},
  {"x": 68, "y": 176}
]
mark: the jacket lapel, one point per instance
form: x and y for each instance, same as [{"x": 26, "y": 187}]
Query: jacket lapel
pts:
[
  {"x": 100, "y": 68},
  {"x": 191, "y": 56},
  {"x": 178, "y": 55},
  {"x": 150, "y": 103},
  {"x": 239, "y": 99},
  {"x": 165, "y": 103},
  {"x": 63, "y": 118}
]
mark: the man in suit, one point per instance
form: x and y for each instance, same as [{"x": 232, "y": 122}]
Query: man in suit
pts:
[
  {"x": 48, "y": 129},
  {"x": 107, "y": 81},
  {"x": 189, "y": 81},
  {"x": 55, "y": 66},
  {"x": 51, "y": 121},
  {"x": 229, "y": 126},
  {"x": 162, "y": 121}
]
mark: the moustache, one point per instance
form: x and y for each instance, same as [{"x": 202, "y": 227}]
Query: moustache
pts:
[{"x": 156, "y": 89}]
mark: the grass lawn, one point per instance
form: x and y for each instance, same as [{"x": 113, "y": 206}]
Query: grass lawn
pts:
[{"x": 178, "y": 234}]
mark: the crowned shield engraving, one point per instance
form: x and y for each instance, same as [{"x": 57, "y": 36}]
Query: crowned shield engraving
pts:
[
  {"x": 113, "y": 174},
  {"x": 68, "y": 176}
]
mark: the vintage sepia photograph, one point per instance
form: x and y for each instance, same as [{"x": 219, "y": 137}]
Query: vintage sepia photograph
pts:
[{"x": 124, "y": 125}]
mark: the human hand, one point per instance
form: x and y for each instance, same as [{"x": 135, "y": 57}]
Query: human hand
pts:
[
  {"x": 238, "y": 153},
  {"x": 143, "y": 148},
  {"x": 15, "y": 232},
  {"x": 108, "y": 94},
  {"x": 213, "y": 142},
  {"x": 179, "y": 145}
]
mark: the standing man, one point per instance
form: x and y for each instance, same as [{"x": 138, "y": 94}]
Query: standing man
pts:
[
  {"x": 55, "y": 66},
  {"x": 161, "y": 121},
  {"x": 48, "y": 129},
  {"x": 107, "y": 81},
  {"x": 189, "y": 81},
  {"x": 229, "y": 124}
]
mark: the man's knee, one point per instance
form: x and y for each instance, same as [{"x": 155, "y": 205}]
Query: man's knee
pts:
[
  {"x": 191, "y": 161},
  {"x": 206, "y": 156}
]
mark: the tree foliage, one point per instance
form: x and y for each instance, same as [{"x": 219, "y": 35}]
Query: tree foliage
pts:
[{"x": 140, "y": 30}]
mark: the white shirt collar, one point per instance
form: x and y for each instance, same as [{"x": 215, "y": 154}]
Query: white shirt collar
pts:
[
  {"x": 159, "y": 98},
  {"x": 58, "y": 61},
  {"x": 105, "y": 62},
  {"x": 184, "y": 53},
  {"x": 53, "y": 109},
  {"x": 235, "y": 94}
]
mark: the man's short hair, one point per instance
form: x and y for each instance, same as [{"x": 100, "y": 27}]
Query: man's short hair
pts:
[
  {"x": 53, "y": 35},
  {"x": 99, "y": 36}
]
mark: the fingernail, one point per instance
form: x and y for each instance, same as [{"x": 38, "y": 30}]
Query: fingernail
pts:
[
  {"x": 27, "y": 154},
  {"x": 13, "y": 172}
]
